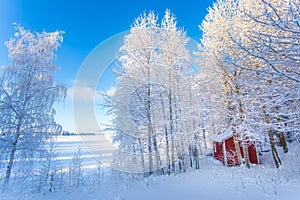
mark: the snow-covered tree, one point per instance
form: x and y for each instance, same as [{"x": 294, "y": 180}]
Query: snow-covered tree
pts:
[
  {"x": 254, "y": 46},
  {"x": 27, "y": 94},
  {"x": 268, "y": 38},
  {"x": 138, "y": 56},
  {"x": 269, "y": 34},
  {"x": 272, "y": 43},
  {"x": 150, "y": 105},
  {"x": 174, "y": 61},
  {"x": 49, "y": 166},
  {"x": 219, "y": 24},
  {"x": 76, "y": 170}
]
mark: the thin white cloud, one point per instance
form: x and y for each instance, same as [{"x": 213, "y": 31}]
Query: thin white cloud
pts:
[{"x": 83, "y": 93}]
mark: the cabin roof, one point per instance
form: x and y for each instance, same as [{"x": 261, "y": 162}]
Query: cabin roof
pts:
[{"x": 219, "y": 137}]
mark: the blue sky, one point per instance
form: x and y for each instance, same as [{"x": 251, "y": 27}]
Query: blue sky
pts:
[{"x": 86, "y": 24}]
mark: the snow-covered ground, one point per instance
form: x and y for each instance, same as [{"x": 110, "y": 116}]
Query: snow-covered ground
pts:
[{"x": 212, "y": 181}]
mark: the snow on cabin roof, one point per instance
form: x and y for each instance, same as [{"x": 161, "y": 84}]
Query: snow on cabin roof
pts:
[{"x": 219, "y": 137}]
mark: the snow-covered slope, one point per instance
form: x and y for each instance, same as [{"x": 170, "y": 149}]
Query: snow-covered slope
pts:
[{"x": 212, "y": 181}]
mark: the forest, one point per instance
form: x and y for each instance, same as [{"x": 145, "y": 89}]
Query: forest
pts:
[{"x": 246, "y": 81}]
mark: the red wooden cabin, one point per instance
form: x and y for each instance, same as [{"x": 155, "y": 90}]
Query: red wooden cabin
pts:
[{"x": 224, "y": 149}]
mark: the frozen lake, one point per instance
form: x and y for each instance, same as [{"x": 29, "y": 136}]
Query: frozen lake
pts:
[{"x": 92, "y": 148}]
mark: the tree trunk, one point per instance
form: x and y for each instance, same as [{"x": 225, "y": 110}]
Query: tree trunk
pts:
[
  {"x": 272, "y": 141},
  {"x": 244, "y": 142},
  {"x": 13, "y": 152},
  {"x": 235, "y": 136},
  {"x": 150, "y": 141},
  {"x": 237, "y": 147},
  {"x": 274, "y": 151},
  {"x": 150, "y": 128},
  {"x": 204, "y": 138},
  {"x": 183, "y": 157},
  {"x": 196, "y": 157},
  {"x": 197, "y": 162},
  {"x": 142, "y": 153},
  {"x": 281, "y": 134},
  {"x": 167, "y": 151},
  {"x": 166, "y": 138},
  {"x": 11, "y": 161},
  {"x": 245, "y": 151},
  {"x": 171, "y": 132},
  {"x": 283, "y": 142},
  {"x": 158, "y": 160},
  {"x": 191, "y": 156}
]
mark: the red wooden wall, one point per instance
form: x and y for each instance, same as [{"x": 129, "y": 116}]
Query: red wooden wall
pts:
[{"x": 231, "y": 153}]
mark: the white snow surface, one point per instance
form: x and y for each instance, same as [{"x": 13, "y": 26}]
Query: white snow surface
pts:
[{"x": 212, "y": 181}]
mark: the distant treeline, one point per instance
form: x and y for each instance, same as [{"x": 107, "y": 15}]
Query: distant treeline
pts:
[{"x": 66, "y": 133}]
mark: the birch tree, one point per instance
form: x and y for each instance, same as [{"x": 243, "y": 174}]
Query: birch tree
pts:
[
  {"x": 273, "y": 46},
  {"x": 218, "y": 25},
  {"x": 28, "y": 92},
  {"x": 269, "y": 37},
  {"x": 174, "y": 61},
  {"x": 255, "y": 44},
  {"x": 151, "y": 89},
  {"x": 138, "y": 56}
]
